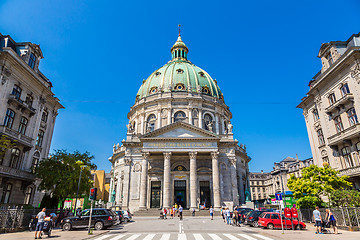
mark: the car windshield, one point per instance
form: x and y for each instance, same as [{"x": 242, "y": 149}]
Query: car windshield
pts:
[{"x": 262, "y": 215}]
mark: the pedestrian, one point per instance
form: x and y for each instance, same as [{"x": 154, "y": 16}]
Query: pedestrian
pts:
[
  {"x": 211, "y": 210},
  {"x": 40, "y": 224},
  {"x": 227, "y": 212},
  {"x": 330, "y": 218},
  {"x": 235, "y": 217},
  {"x": 181, "y": 212},
  {"x": 176, "y": 208},
  {"x": 318, "y": 220},
  {"x": 223, "y": 213},
  {"x": 165, "y": 212},
  {"x": 172, "y": 212},
  {"x": 193, "y": 212}
]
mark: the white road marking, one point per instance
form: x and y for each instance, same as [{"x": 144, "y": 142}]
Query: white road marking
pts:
[
  {"x": 134, "y": 237},
  {"x": 263, "y": 237},
  {"x": 149, "y": 237},
  {"x": 214, "y": 236},
  {"x": 118, "y": 237},
  {"x": 181, "y": 236},
  {"x": 231, "y": 237},
  {"x": 198, "y": 237},
  {"x": 103, "y": 237},
  {"x": 246, "y": 236},
  {"x": 165, "y": 236}
]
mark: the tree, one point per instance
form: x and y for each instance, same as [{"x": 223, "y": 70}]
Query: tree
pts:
[
  {"x": 345, "y": 198},
  {"x": 314, "y": 183},
  {"x": 60, "y": 174},
  {"x": 5, "y": 143}
]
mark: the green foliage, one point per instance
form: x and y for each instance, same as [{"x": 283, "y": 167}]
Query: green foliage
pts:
[
  {"x": 314, "y": 183},
  {"x": 60, "y": 174},
  {"x": 5, "y": 143},
  {"x": 345, "y": 198}
]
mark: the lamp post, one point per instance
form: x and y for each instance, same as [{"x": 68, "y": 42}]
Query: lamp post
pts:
[{"x": 77, "y": 193}]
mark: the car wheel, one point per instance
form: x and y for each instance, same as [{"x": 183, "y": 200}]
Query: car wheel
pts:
[
  {"x": 99, "y": 226},
  {"x": 299, "y": 227},
  {"x": 256, "y": 224},
  {"x": 66, "y": 226},
  {"x": 126, "y": 220},
  {"x": 270, "y": 226}
]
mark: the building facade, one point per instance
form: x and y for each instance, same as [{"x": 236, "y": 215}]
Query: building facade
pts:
[
  {"x": 179, "y": 146},
  {"x": 102, "y": 183},
  {"x": 28, "y": 109},
  {"x": 330, "y": 108}
]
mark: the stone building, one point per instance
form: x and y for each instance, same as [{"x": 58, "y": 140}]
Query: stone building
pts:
[
  {"x": 330, "y": 108},
  {"x": 28, "y": 109},
  {"x": 179, "y": 146}
]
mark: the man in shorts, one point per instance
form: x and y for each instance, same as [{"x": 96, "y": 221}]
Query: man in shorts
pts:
[
  {"x": 211, "y": 213},
  {"x": 318, "y": 220},
  {"x": 40, "y": 224}
]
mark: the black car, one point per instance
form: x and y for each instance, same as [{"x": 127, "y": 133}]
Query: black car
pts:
[
  {"x": 252, "y": 218},
  {"x": 242, "y": 213},
  {"x": 101, "y": 218}
]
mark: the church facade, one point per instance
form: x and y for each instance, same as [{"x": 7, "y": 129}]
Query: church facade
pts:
[{"x": 179, "y": 146}]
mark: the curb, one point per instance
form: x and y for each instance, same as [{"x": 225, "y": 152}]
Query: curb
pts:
[{"x": 94, "y": 236}]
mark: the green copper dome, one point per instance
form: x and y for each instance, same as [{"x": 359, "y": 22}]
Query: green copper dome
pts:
[{"x": 179, "y": 75}]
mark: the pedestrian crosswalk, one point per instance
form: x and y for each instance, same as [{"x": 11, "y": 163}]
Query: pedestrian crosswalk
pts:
[{"x": 183, "y": 236}]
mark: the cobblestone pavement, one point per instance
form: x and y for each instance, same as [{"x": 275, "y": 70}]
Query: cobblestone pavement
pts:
[{"x": 191, "y": 228}]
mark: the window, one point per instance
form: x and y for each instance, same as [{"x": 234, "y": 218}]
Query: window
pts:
[
  {"x": 180, "y": 71},
  {"x": 202, "y": 74},
  {"x": 205, "y": 90},
  {"x": 158, "y": 74},
  {"x": 15, "y": 158},
  {"x": 17, "y": 92},
  {"x": 330, "y": 59},
  {"x": 352, "y": 116},
  {"x": 326, "y": 160},
  {"x": 259, "y": 190},
  {"x": 9, "y": 118},
  {"x": 267, "y": 216},
  {"x": 253, "y": 189},
  {"x": 6, "y": 193},
  {"x": 332, "y": 99},
  {"x": 315, "y": 114},
  {"x": 44, "y": 116},
  {"x": 344, "y": 89},
  {"x": 29, "y": 100},
  {"x": 35, "y": 161},
  {"x": 153, "y": 90},
  {"x": 40, "y": 138},
  {"x": 208, "y": 121},
  {"x": 32, "y": 60},
  {"x": 23, "y": 125},
  {"x": 347, "y": 157},
  {"x": 180, "y": 87},
  {"x": 28, "y": 195},
  {"x": 275, "y": 216},
  {"x": 320, "y": 137},
  {"x": 179, "y": 116},
  {"x": 151, "y": 123},
  {"x": 338, "y": 124}
]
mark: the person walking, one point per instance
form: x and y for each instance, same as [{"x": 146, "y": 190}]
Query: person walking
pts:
[
  {"x": 211, "y": 213},
  {"x": 223, "y": 213},
  {"x": 176, "y": 209},
  {"x": 227, "y": 212},
  {"x": 172, "y": 213},
  {"x": 181, "y": 212},
  {"x": 40, "y": 224},
  {"x": 318, "y": 220},
  {"x": 235, "y": 217},
  {"x": 165, "y": 212},
  {"x": 193, "y": 212},
  {"x": 330, "y": 218}
]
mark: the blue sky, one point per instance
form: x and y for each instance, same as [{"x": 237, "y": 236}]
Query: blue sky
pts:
[{"x": 262, "y": 53}]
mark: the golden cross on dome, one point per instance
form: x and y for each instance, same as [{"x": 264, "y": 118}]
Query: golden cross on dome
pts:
[{"x": 179, "y": 29}]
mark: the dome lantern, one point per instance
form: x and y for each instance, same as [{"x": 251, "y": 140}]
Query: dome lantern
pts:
[{"x": 179, "y": 50}]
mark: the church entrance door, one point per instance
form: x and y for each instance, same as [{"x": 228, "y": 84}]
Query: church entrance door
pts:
[
  {"x": 155, "y": 194},
  {"x": 180, "y": 192},
  {"x": 205, "y": 193}
]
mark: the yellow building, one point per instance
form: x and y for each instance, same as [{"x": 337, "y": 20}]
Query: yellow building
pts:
[{"x": 102, "y": 183}]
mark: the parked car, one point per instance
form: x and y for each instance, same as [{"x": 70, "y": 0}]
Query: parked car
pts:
[
  {"x": 101, "y": 218},
  {"x": 252, "y": 218},
  {"x": 127, "y": 216},
  {"x": 242, "y": 213},
  {"x": 119, "y": 216},
  {"x": 272, "y": 220}
]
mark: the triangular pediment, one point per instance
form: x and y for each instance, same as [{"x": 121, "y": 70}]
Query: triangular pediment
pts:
[{"x": 180, "y": 130}]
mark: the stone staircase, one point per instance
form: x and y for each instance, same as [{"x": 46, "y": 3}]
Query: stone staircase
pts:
[{"x": 156, "y": 213}]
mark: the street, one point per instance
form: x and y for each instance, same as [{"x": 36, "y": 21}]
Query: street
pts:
[{"x": 191, "y": 228}]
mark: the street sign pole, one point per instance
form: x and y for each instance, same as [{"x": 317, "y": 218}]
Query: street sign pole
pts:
[
  {"x": 91, "y": 209},
  {"x": 278, "y": 197}
]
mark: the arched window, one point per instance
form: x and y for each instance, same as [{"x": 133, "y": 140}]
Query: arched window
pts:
[
  {"x": 6, "y": 193},
  {"x": 15, "y": 158},
  {"x": 35, "y": 161},
  {"x": 208, "y": 122},
  {"x": 28, "y": 194},
  {"x": 150, "y": 123},
  {"x": 179, "y": 116},
  {"x": 23, "y": 125},
  {"x": 346, "y": 153}
]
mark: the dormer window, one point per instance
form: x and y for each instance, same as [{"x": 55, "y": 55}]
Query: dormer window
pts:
[
  {"x": 180, "y": 87},
  {"x": 205, "y": 90},
  {"x": 153, "y": 90},
  {"x": 158, "y": 74},
  {"x": 180, "y": 71},
  {"x": 202, "y": 74},
  {"x": 32, "y": 60}
]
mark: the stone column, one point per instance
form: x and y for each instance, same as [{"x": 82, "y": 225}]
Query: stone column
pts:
[
  {"x": 167, "y": 180},
  {"x": 216, "y": 179},
  {"x": 144, "y": 180},
  {"x": 190, "y": 116},
  {"x": 234, "y": 185},
  {"x": 200, "y": 119},
  {"x": 217, "y": 125},
  {"x": 193, "y": 180}
]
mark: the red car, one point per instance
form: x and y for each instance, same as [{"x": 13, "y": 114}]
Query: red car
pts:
[{"x": 272, "y": 220}]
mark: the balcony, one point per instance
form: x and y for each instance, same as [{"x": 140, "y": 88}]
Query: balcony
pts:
[
  {"x": 347, "y": 134},
  {"x": 21, "y": 104},
  {"x": 340, "y": 103},
  {"x": 351, "y": 172},
  {"x": 20, "y": 138},
  {"x": 16, "y": 173}
]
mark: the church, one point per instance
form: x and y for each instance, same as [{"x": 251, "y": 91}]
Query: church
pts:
[{"x": 179, "y": 146}]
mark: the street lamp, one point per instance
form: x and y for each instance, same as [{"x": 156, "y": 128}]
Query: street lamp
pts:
[{"x": 77, "y": 194}]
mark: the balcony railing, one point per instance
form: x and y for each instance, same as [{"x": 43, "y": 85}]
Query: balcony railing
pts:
[
  {"x": 16, "y": 136},
  {"x": 22, "y": 104},
  {"x": 16, "y": 173},
  {"x": 342, "y": 101},
  {"x": 354, "y": 171},
  {"x": 345, "y": 134}
]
